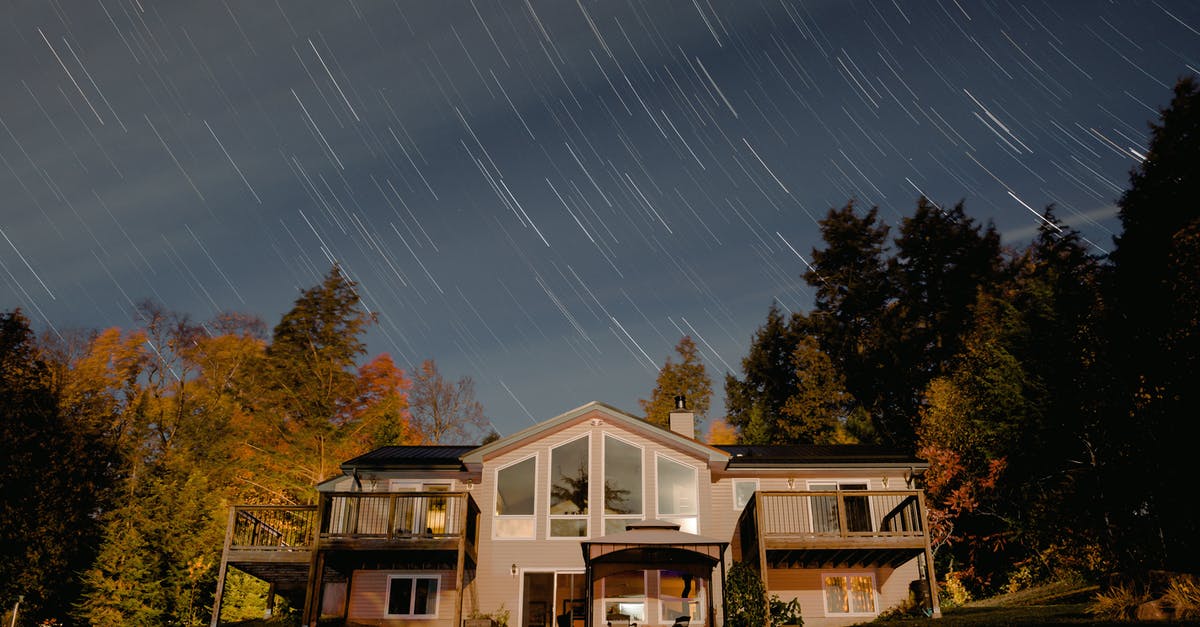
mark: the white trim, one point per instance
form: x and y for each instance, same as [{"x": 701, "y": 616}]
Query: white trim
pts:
[
  {"x": 700, "y": 583},
  {"x": 605, "y": 516},
  {"x": 644, "y": 599},
  {"x": 586, "y": 517},
  {"x": 733, "y": 487},
  {"x": 543, "y": 570},
  {"x": 413, "y": 577},
  {"x": 496, "y": 500},
  {"x": 848, "y": 574}
]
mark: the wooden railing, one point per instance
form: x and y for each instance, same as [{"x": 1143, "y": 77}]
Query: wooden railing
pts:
[
  {"x": 273, "y": 527},
  {"x": 847, "y": 514},
  {"x": 399, "y": 515}
]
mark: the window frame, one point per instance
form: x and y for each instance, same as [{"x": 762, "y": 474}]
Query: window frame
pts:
[
  {"x": 847, "y": 574},
  {"x": 837, "y": 483},
  {"x": 496, "y": 500},
  {"x": 605, "y": 516},
  {"x": 412, "y": 577},
  {"x": 586, "y": 518},
  {"x": 644, "y": 599},
  {"x": 658, "y": 455},
  {"x": 734, "y": 483},
  {"x": 701, "y": 601}
]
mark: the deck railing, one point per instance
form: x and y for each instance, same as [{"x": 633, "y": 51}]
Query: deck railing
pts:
[
  {"x": 273, "y": 527},
  {"x": 399, "y": 515},
  {"x": 840, "y": 513}
]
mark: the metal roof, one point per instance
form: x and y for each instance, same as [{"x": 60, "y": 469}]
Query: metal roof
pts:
[{"x": 430, "y": 457}]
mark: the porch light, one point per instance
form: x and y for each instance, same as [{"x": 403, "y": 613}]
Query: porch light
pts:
[{"x": 513, "y": 569}]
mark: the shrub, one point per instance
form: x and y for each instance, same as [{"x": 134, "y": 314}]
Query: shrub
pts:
[
  {"x": 785, "y": 613},
  {"x": 1119, "y": 602},
  {"x": 1183, "y": 594},
  {"x": 953, "y": 591},
  {"x": 745, "y": 597}
]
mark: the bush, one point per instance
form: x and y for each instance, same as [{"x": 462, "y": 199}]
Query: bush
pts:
[
  {"x": 1119, "y": 602},
  {"x": 785, "y": 613},
  {"x": 953, "y": 591},
  {"x": 1183, "y": 594},
  {"x": 745, "y": 597}
]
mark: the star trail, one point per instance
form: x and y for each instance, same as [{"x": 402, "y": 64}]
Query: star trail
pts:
[{"x": 543, "y": 195}]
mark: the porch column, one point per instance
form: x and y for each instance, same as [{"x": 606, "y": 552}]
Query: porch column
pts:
[
  {"x": 936, "y": 606},
  {"x": 724, "y": 603},
  {"x": 587, "y": 594}
]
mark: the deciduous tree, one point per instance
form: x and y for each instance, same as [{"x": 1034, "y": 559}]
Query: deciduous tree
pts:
[{"x": 444, "y": 412}]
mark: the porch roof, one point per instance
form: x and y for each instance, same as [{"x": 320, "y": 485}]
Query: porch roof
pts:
[{"x": 652, "y": 544}]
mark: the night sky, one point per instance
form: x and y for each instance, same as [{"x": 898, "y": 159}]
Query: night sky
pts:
[{"x": 543, "y": 195}]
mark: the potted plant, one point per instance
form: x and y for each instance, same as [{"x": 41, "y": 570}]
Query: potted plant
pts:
[
  {"x": 499, "y": 618},
  {"x": 785, "y": 614}
]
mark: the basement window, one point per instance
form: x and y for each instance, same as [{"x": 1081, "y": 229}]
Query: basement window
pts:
[{"x": 411, "y": 596}]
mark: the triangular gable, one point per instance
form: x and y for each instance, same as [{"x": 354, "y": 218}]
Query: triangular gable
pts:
[{"x": 714, "y": 456}]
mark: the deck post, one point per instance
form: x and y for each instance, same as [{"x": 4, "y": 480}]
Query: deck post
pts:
[
  {"x": 935, "y": 605},
  {"x": 316, "y": 570},
  {"x": 763, "y": 566},
  {"x": 216, "y": 612},
  {"x": 458, "y": 569}
]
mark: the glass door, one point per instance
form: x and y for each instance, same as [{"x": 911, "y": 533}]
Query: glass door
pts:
[{"x": 537, "y": 603}]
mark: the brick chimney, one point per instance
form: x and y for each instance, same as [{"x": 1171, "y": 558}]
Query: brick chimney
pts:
[{"x": 683, "y": 421}]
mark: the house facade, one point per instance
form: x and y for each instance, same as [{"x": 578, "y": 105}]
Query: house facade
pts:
[{"x": 593, "y": 517}]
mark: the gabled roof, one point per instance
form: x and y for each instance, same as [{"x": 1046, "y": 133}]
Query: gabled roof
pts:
[
  {"x": 633, "y": 423},
  {"x": 424, "y": 457},
  {"x": 816, "y": 455}
]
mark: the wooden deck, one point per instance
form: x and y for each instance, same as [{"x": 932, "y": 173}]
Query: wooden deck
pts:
[{"x": 836, "y": 528}]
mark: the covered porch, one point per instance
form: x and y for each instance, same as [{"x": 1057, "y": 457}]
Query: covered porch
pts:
[{"x": 660, "y": 547}]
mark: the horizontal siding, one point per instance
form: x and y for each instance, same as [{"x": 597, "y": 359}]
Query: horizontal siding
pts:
[
  {"x": 368, "y": 599},
  {"x": 805, "y": 585}
]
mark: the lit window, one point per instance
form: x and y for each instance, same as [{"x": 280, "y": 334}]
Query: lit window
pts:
[
  {"x": 681, "y": 595},
  {"x": 849, "y": 594},
  {"x": 569, "y": 489},
  {"x": 625, "y": 597},
  {"x": 411, "y": 596},
  {"x": 514, "y": 500}
]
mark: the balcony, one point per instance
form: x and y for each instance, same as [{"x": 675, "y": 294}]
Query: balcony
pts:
[{"x": 831, "y": 529}]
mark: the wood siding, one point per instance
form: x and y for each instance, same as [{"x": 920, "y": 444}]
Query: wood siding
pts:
[{"x": 368, "y": 599}]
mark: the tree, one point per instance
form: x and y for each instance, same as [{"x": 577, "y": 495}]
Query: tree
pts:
[
  {"x": 1155, "y": 328},
  {"x": 308, "y": 385},
  {"x": 687, "y": 378},
  {"x": 854, "y": 293},
  {"x": 769, "y": 376},
  {"x": 820, "y": 408},
  {"x": 720, "y": 432},
  {"x": 444, "y": 412}
]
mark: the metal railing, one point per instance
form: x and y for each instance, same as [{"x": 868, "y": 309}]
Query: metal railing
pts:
[
  {"x": 272, "y": 527},
  {"x": 398, "y": 515},
  {"x": 840, "y": 513}
]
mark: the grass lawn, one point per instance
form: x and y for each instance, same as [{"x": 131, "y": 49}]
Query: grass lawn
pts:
[{"x": 1051, "y": 604}]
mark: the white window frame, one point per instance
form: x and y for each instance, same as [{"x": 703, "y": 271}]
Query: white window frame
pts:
[
  {"x": 586, "y": 518},
  {"x": 848, "y": 574},
  {"x": 641, "y": 479},
  {"x": 496, "y": 500},
  {"x": 734, "y": 485},
  {"x": 837, "y": 485},
  {"x": 412, "y": 577},
  {"x": 657, "y": 484}
]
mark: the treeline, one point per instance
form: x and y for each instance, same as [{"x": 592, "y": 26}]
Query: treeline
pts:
[
  {"x": 1049, "y": 386},
  {"x": 123, "y": 449}
]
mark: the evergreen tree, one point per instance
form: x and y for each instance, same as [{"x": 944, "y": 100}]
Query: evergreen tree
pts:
[
  {"x": 688, "y": 378},
  {"x": 1155, "y": 328},
  {"x": 769, "y": 376},
  {"x": 820, "y": 408}
]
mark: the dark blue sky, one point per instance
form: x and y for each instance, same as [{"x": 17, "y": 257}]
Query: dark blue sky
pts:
[{"x": 543, "y": 195}]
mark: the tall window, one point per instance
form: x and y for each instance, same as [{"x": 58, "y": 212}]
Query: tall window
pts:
[
  {"x": 410, "y": 596},
  {"x": 514, "y": 500},
  {"x": 677, "y": 494},
  {"x": 849, "y": 593},
  {"x": 569, "y": 489},
  {"x": 681, "y": 594},
  {"x": 622, "y": 484}
]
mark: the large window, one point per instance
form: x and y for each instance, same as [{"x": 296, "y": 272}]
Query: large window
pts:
[
  {"x": 625, "y": 597},
  {"x": 677, "y": 494},
  {"x": 681, "y": 595},
  {"x": 622, "y": 484},
  {"x": 569, "y": 467},
  {"x": 412, "y": 596},
  {"x": 849, "y": 593},
  {"x": 514, "y": 499}
]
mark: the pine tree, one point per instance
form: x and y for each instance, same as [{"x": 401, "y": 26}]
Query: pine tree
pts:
[
  {"x": 769, "y": 377},
  {"x": 687, "y": 378}
]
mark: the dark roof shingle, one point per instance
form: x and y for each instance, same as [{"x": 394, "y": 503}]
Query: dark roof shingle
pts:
[
  {"x": 431, "y": 457},
  {"x": 814, "y": 454}
]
